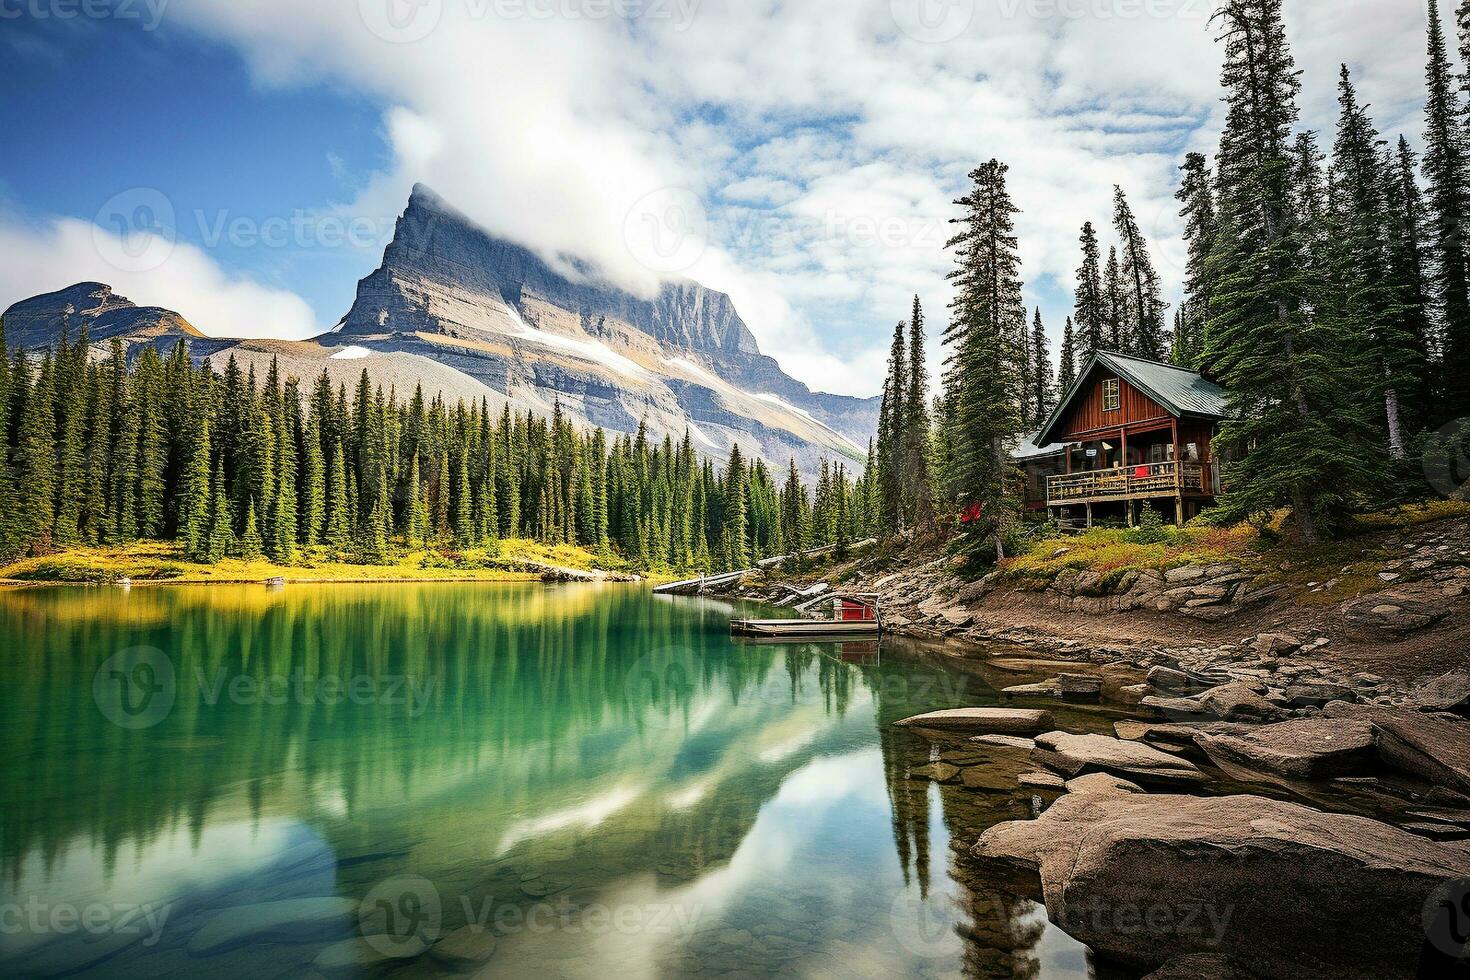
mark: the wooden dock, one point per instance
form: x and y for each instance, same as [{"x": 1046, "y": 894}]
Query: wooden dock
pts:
[
  {"x": 804, "y": 628},
  {"x": 697, "y": 586},
  {"x": 853, "y": 615}
]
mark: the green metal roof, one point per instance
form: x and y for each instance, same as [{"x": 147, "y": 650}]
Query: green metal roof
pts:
[
  {"x": 1028, "y": 448},
  {"x": 1180, "y": 391}
]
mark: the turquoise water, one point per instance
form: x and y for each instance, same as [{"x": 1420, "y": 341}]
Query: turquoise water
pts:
[{"x": 511, "y": 780}]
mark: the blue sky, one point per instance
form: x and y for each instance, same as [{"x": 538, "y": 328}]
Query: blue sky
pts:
[{"x": 801, "y": 157}]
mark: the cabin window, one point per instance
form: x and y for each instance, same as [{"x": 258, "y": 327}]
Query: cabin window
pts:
[
  {"x": 1112, "y": 395},
  {"x": 1161, "y": 452},
  {"x": 1191, "y": 452}
]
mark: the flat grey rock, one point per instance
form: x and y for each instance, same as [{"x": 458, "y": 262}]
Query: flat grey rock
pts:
[
  {"x": 1306, "y": 748},
  {"x": 1102, "y": 783},
  {"x": 983, "y": 721},
  {"x": 1077, "y": 755}
]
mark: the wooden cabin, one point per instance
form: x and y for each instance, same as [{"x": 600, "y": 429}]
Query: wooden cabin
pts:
[{"x": 1129, "y": 434}]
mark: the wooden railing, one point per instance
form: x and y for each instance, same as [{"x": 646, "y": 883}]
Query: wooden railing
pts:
[{"x": 1142, "y": 480}]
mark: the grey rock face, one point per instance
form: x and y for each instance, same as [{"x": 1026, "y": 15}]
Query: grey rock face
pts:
[
  {"x": 474, "y": 316},
  {"x": 37, "y": 322},
  {"x": 448, "y": 290}
]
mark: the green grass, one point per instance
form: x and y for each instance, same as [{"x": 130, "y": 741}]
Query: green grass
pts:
[
  {"x": 1115, "y": 552},
  {"x": 1415, "y": 515},
  {"x": 1350, "y": 564},
  {"x": 154, "y": 561}
]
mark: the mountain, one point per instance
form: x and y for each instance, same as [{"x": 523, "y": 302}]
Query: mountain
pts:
[
  {"x": 448, "y": 290},
  {"x": 38, "y": 321},
  {"x": 472, "y": 316}
]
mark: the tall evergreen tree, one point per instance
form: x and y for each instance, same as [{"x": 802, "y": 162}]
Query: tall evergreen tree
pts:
[
  {"x": 892, "y": 418},
  {"x": 918, "y": 491},
  {"x": 1146, "y": 304},
  {"x": 221, "y": 523},
  {"x": 1291, "y": 389},
  {"x": 1408, "y": 263},
  {"x": 35, "y": 465},
  {"x": 1117, "y": 317},
  {"x": 1447, "y": 172},
  {"x": 1090, "y": 313},
  {"x": 1367, "y": 282},
  {"x": 984, "y": 373},
  {"x": 195, "y": 510},
  {"x": 1067, "y": 366},
  {"x": 1197, "y": 197},
  {"x": 1043, "y": 388},
  {"x": 71, "y": 431}
]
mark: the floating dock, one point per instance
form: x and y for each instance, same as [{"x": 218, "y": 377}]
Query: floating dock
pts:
[{"x": 852, "y": 616}]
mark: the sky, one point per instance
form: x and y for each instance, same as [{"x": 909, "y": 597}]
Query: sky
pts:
[{"x": 243, "y": 161}]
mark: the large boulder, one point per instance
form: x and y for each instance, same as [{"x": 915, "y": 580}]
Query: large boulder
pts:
[
  {"x": 983, "y": 721},
  {"x": 1239, "y": 702},
  {"x": 1435, "y": 748},
  {"x": 1278, "y": 889},
  {"x": 1077, "y": 755},
  {"x": 1393, "y": 617},
  {"x": 1447, "y": 692},
  {"x": 1173, "y": 681},
  {"x": 1306, "y": 748}
]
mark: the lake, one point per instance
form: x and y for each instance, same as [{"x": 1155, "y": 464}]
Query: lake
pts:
[{"x": 577, "y": 781}]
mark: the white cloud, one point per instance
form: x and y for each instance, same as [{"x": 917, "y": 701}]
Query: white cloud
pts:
[
  {"x": 185, "y": 279},
  {"x": 801, "y": 127}
]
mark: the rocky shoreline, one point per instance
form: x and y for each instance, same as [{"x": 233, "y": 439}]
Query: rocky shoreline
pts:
[
  {"x": 1321, "y": 810},
  {"x": 1201, "y": 621}
]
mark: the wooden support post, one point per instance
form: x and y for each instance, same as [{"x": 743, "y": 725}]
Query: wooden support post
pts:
[
  {"x": 1089, "y": 514},
  {"x": 1129, "y": 505}
]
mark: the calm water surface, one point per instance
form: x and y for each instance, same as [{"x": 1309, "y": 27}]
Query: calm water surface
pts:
[{"x": 595, "y": 781}]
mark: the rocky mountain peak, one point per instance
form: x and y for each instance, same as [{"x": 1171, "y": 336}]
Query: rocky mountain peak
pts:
[
  {"x": 38, "y": 322},
  {"x": 437, "y": 249}
]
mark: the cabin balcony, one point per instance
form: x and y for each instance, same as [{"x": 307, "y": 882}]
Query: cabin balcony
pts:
[{"x": 1125, "y": 483}]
